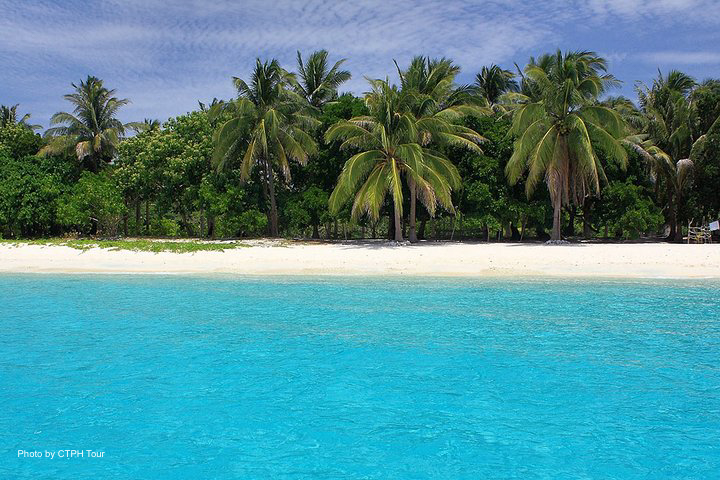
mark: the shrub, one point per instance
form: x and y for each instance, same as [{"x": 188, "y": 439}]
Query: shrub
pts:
[{"x": 94, "y": 205}]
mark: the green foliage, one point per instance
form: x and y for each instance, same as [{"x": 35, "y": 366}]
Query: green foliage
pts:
[
  {"x": 395, "y": 142},
  {"x": 558, "y": 135},
  {"x": 138, "y": 245},
  {"x": 627, "y": 211},
  {"x": 704, "y": 200},
  {"x": 706, "y": 99},
  {"x": 29, "y": 191},
  {"x": 288, "y": 148},
  {"x": 308, "y": 209},
  {"x": 269, "y": 127},
  {"x": 493, "y": 82},
  {"x": 94, "y": 205},
  {"x": 92, "y": 130},
  {"x": 486, "y": 194},
  {"x": 250, "y": 223},
  {"x": 316, "y": 81},
  {"x": 18, "y": 141}
]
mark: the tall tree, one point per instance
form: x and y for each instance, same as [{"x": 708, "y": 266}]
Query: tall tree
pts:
[
  {"x": 92, "y": 130},
  {"x": 558, "y": 134},
  {"x": 317, "y": 82},
  {"x": 670, "y": 124},
  {"x": 390, "y": 150},
  {"x": 268, "y": 126},
  {"x": 438, "y": 106}
]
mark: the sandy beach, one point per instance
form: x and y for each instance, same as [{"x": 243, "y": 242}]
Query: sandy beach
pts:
[{"x": 425, "y": 259}]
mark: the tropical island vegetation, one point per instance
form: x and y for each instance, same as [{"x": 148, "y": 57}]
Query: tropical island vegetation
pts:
[{"x": 542, "y": 152}]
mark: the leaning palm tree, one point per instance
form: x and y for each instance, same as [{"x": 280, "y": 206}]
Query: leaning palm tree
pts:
[
  {"x": 92, "y": 130},
  {"x": 8, "y": 116},
  {"x": 317, "y": 82},
  {"x": 390, "y": 150},
  {"x": 267, "y": 127},
  {"x": 558, "y": 134},
  {"x": 668, "y": 117},
  {"x": 493, "y": 82},
  {"x": 438, "y": 106},
  {"x": 677, "y": 175}
]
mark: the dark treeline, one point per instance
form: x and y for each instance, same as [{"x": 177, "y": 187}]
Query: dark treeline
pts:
[{"x": 539, "y": 153}]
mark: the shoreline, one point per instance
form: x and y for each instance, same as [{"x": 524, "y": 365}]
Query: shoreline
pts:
[{"x": 426, "y": 259}]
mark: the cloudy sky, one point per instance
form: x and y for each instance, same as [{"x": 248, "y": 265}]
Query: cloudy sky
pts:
[{"x": 165, "y": 55}]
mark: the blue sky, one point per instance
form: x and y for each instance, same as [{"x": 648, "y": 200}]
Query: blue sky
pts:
[{"x": 166, "y": 55}]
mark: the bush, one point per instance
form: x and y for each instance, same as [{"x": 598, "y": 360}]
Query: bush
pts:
[
  {"x": 94, "y": 205},
  {"x": 627, "y": 211},
  {"x": 19, "y": 142},
  {"x": 29, "y": 191}
]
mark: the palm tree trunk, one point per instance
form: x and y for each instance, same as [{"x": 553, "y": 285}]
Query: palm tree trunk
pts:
[
  {"x": 398, "y": 223},
  {"x": 557, "y": 219},
  {"x": 412, "y": 233},
  {"x": 675, "y": 228}
]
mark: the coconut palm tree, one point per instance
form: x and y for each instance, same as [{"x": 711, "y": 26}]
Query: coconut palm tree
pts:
[
  {"x": 8, "y": 116},
  {"x": 92, "y": 130},
  {"x": 317, "y": 82},
  {"x": 493, "y": 82},
  {"x": 390, "y": 149},
  {"x": 437, "y": 105},
  {"x": 267, "y": 127},
  {"x": 668, "y": 116},
  {"x": 557, "y": 135},
  {"x": 677, "y": 175}
]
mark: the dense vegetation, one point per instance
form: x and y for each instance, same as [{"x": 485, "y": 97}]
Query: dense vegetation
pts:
[{"x": 544, "y": 153}]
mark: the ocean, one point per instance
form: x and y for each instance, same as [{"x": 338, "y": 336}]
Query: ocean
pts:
[{"x": 214, "y": 377}]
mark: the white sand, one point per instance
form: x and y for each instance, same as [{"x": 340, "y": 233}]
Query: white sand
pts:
[{"x": 429, "y": 259}]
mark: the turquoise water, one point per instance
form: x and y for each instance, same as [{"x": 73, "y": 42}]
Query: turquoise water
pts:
[{"x": 204, "y": 378}]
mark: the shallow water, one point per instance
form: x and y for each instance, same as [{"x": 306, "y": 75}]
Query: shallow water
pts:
[{"x": 202, "y": 378}]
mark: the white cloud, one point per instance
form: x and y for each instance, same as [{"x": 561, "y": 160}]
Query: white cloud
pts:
[
  {"x": 681, "y": 58},
  {"x": 165, "y": 55}
]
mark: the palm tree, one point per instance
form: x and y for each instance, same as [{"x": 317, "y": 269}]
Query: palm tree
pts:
[
  {"x": 668, "y": 117},
  {"x": 267, "y": 127},
  {"x": 389, "y": 142},
  {"x": 437, "y": 104},
  {"x": 8, "y": 116},
  {"x": 493, "y": 82},
  {"x": 558, "y": 134},
  {"x": 317, "y": 83},
  {"x": 92, "y": 130},
  {"x": 677, "y": 175}
]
